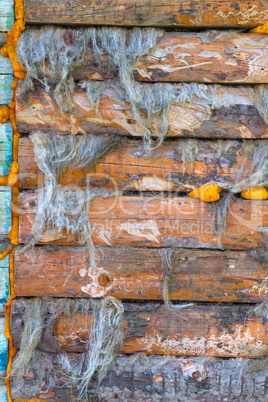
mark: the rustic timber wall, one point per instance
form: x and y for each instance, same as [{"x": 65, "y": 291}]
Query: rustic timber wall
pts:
[{"x": 214, "y": 349}]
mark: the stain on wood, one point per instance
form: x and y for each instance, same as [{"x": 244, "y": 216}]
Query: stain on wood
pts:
[
  {"x": 137, "y": 273},
  {"x": 218, "y": 14},
  {"x": 158, "y": 222},
  {"x": 240, "y": 118},
  {"x": 131, "y": 168},
  {"x": 154, "y": 378},
  {"x": 200, "y": 330}
]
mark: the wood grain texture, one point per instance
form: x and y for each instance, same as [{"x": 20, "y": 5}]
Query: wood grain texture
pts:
[
  {"x": 137, "y": 273},
  {"x": 151, "y": 379},
  {"x": 192, "y": 57},
  {"x": 179, "y": 14},
  {"x": 240, "y": 117},
  {"x": 200, "y": 330},
  {"x": 131, "y": 168},
  {"x": 6, "y": 15},
  {"x": 5, "y": 212},
  {"x": 5, "y": 89},
  {"x": 6, "y": 137},
  {"x": 158, "y": 222},
  {"x": 3, "y": 348},
  {"x": 4, "y": 284}
]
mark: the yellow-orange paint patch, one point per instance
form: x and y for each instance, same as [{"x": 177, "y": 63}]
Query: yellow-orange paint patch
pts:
[
  {"x": 207, "y": 193},
  {"x": 255, "y": 194}
]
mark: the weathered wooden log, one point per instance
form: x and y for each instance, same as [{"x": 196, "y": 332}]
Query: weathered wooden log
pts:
[
  {"x": 200, "y": 330},
  {"x": 138, "y": 273},
  {"x": 147, "y": 13},
  {"x": 240, "y": 117},
  {"x": 5, "y": 62},
  {"x": 5, "y": 212},
  {"x": 131, "y": 168},
  {"x": 158, "y": 222},
  {"x": 150, "y": 378},
  {"x": 210, "y": 57},
  {"x": 6, "y": 136},
  {"x": 4, "y": 284},
  {"x": 5, "y": 89},
  {"x": 3, "y": 348},
  {"x": 6, "y": 15}
]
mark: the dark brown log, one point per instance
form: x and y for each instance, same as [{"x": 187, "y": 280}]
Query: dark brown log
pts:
[
  {"x": 151, "y": 379},
  {"x": 199, "y": 330},
  {"x": 158, "y": 222},
  {"x": 179, "y": 14},
  {"x": 131, "y": 168},
  {"x": 240, "y": 117},
  {"x": 137, "y": 273}
]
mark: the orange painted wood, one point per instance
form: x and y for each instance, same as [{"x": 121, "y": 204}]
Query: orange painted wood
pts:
[
  {"x": 137, "y": 273},
  {"x": 180, "y": 13},
  {"x": 239, "y": 119},
  {"x": 199, "y": 330},
  {"x": 131, "y": 168},
  {"x": 158, "y": 222}
]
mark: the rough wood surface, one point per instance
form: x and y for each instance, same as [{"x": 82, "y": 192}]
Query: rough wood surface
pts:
[
  {"x": 6, "y": 135},
  {"x": 4, "y": 284},
  {"x": 194, "y": 57},
  {"x": 240, "y": 117},
  {"x": 6, "y": 15},
  {"x": 5, "y": 212},
  {"x": 179, "y": 13},
  {"x": 3, "y": 348},
  {"x": 131, "y": 168},
  {"x": 150, "y": 379},
  {"x": 5, "y": 89},
  {"x": 158, "y": 222},
  {"x": 200, "y": 330},
  {"x": 137, "y": 273}
]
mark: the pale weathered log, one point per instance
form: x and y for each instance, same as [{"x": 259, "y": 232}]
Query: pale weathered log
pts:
[
  {"x": 5, "y": 212},
  {"x": 6, "y": 15},
  {"x": 131, "y": 168},
  {"x": 5, "y": 88},
  {"x": 138, "y": 273},
  {"x": 207, "y": 329},
  {"x": 4, "y": 284},
  {"x": 158, "y": 222},
  {"x": 240, "y": 117},
  {"x": 6, "y": 136},
  {"x": 179, "y": 14},
  {"x": 152, "y": 378}
]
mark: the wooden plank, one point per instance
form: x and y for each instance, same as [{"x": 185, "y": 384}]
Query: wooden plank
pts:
[
  {"x": 3, "y": 393},
  {"x": 3, "y": 348},
  {"x": 4, "y": 284},
  {"x": 6, "y": 15},
  {"x": 240, "y": 117},
  {"x": 131, "y": 168},
  {"x": 151, "y": 378},
  {"x": 6, "y": 137},
  {"x": 201, "y": 330},
  {"x": 5, "y": 89},
  {"x": 210, "y": 57},
  {"x": 5, "y": 212},
  {"x": 5, "y": 62},
  {"x": 147, "y": 13},
  {"x": 158, "y": 222},
  {"x": 137, "y": 273}
]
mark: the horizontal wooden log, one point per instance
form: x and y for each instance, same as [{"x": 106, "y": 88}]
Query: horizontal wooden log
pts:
[
  {"x": 240, "y": 117},
  {"x": 153, "y": 378},
  {"x": 200, "y": 330},
  {"x": 6, "y": 134},
  {"x": 5, "y": 89},
  {"x": 6, "y": 15},
  {"x": 5, "y": 62},
  {"x": 4, "y": 284},
  {"x": 158, "y": 222},
  {"x": 147, "y": 13},
  {"x": 5, "y": 212},
  {"x": 3, "y": 348},
  {"x": 137, "y": 273},
  {"x": 131, "y": 168},
  {"x": 193, "y": 57}
]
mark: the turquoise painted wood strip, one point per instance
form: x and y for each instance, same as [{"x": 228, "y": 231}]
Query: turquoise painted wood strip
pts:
[
  {"x": 5, "y": 89},
  {"x": 4, "y": 284},
  {"x": 3, "y": 393},
  {"x": 6, "y": 15},
  {"x": 6, "y": 139},
  {"x": 5, "y": 211},
  {"x": 3, "y": 348}
]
